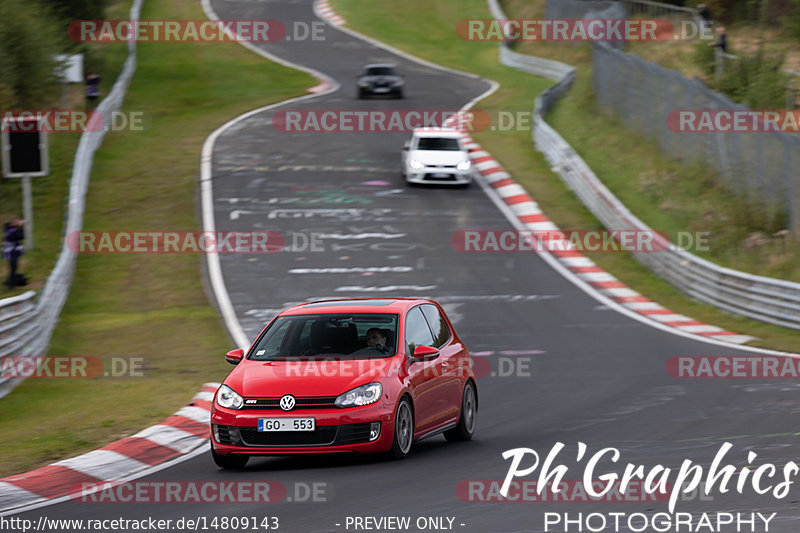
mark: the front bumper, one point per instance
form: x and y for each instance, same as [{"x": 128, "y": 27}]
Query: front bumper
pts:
[
  {"x": 337, "y": 430},
  {"x": 439, "y": 175},
  {"x": 381, "y": 89}
]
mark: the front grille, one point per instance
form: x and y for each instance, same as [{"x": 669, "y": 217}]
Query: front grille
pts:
[
  {"x": 300, "y": 403},
  {"x": 449, "y": 177},
  {"x": 322, "y": 436}
]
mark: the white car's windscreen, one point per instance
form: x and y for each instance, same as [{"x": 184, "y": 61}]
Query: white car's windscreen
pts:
[{"x": 438, "y": 144}]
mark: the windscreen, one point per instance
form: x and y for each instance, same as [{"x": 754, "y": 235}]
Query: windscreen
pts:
[
  {"x": 380, "y": 71},
  {"x": 438, "y": 143},
  {"x": 341, "y": 335}
]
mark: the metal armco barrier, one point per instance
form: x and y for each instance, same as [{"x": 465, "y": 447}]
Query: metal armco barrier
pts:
[
  {"x": 765, "y": 299},
  {"x": 26, "y": 326}
]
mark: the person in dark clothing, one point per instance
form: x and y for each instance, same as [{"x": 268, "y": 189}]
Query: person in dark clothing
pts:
[
  {"x": 705, "y": 14},
  {"x": 92, "y": 90},
  {"x": 13, "y": 238},
  {"x": 722, "y": 40}
]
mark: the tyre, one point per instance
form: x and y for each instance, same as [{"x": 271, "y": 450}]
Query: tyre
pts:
[
  {"x": 361, "y": 94},
  {"x": 229, "y": 461},
  {"x": 399, "y": 94},
  {"x": 469, "y": 411},
  {"x": 403, "y": 429}
]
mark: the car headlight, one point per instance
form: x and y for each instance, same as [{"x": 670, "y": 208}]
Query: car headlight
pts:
[
  {"x": 416, "y": 165},
  {"x": 464, "y": 165},
  {"x": 363, "y": 395},
  {"x": 229, "y": 398}
]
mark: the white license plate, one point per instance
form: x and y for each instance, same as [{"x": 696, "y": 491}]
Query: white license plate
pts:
[
  {"x": 286, "y": 424},
  {"x": 440, "y": 175},
  {"x": 381, "y": 89}
]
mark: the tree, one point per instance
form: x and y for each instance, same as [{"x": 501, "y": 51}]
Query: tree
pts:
[
  {"x": 69, "y": 10},
  {"x": 29, "y": 38}
]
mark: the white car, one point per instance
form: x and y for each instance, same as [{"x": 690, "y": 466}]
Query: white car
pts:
[{"x": 436, "y": 155}]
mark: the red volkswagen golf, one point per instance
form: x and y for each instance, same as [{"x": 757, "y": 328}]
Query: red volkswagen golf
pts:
[{"x": 360, "y": 375}]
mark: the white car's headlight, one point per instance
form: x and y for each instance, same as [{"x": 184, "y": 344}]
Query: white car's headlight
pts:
[
  {"x": 229, "y": 398},
  {"x": 363, "y": 395},
  {"x": 416, "y": 165},
  {"x": 464, "y": 165}
]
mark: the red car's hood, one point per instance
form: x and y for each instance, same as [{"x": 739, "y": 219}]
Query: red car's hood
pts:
[{"x": 259, "y": 379}]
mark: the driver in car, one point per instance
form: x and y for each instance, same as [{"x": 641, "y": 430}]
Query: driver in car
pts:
[{"x": 376, "y": 339}]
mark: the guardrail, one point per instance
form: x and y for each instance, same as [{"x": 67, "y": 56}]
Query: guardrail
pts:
[
  {"x": 26, "y": 327},
  {"x": 765, "y": 299}
]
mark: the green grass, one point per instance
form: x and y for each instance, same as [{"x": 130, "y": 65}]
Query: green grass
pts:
[
  {"x": 152, "y": 306},
  {"x": 428, "y": 30},
  {"x": 665, "y": 194}
]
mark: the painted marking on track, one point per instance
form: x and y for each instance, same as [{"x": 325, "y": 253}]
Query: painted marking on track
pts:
[
  {"x": 302, "y": 168},
  {"x": 352, "y": 213},
  {"x": 350, "y": 270},
  {"x": 736, "y": 437},
  {"x": 487, "y": 353},
  {"x": 349, "y": 236},
  {"x": 387, "y": 288},
  {"x": 496, "y": 297}
]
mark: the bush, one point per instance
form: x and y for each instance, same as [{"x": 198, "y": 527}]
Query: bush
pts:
[
  {"x": 68, "y": 10},
  {"x": 29, "y": 38},
  {"x": 791, "y": 22},
  {"x": 755, "y": 80},
  {"x": 704, "y": 57}
]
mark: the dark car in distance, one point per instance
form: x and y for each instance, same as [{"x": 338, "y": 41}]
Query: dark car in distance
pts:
[{"x": 379, "y": 79}]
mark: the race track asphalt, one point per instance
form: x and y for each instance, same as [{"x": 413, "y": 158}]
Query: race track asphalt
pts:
[{"x": 596, "y": 376}]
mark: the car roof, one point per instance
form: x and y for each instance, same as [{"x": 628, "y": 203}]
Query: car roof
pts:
[
  {"x": 356, "y": 305},
  {"x": 448, "y": 133}
]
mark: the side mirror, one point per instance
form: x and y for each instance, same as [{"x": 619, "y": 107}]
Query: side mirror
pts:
[
  {"x": 234, "y": 356},
  {"x": 426, "y": 353}
]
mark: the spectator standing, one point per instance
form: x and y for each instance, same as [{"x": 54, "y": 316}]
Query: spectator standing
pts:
[
  {"x": 92, "y": 90},
  {"x": 722, "y": 40},
  {"x": 705, "y": 14},
  {"x": 13, "y": 238}
]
